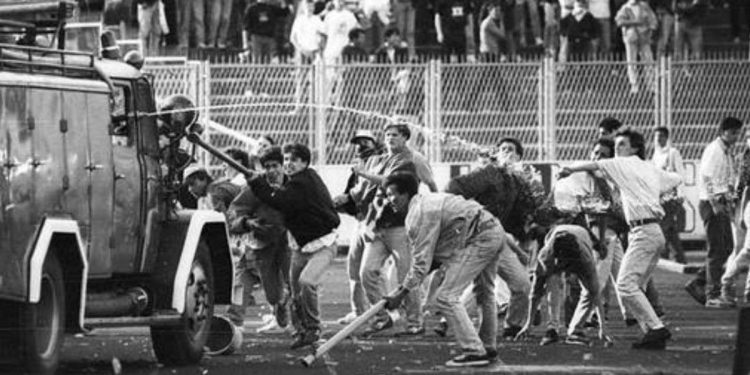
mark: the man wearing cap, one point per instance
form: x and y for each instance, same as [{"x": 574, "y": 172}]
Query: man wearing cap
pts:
[
  {"x": 194, "y": 187},
  {"x": 384, "y": 232},
  {"x": 368, "y": 152}
]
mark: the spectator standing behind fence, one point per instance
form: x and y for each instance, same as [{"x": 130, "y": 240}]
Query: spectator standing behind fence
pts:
[
  {"x": 638, "y": 22},
  {"x": 579, "y": 32},
  {"x": 260, "y": 23},
  {"x": 668, "y": 158},
  {"x": 492, "y": 36},
  {"x": 377, "y": 15},
  {"x": 664, "y": 10},
  {"x": 601, "y": 12},
  {"x": 355, "y": 50},
  {"x": 532, "y": 7},
  {"x": 191, "y": 23},
  {"x": 337, "y": 24},
  {"x": 218, "y": 23},
  {"x": 307, "y": 32},
  {"x": 552, "y": 17},
  {"x": 404, "y": 18},
  {"x": 736, "y": 7},
  {"x": 152, "y": 24},
  {"x": 689, "y": 27},
  {"x": 454, "y": 25}
]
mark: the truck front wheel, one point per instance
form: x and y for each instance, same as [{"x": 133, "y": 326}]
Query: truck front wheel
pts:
[
  {"x": 183, "y": 344},
  {"x": 35, "y": 331}
]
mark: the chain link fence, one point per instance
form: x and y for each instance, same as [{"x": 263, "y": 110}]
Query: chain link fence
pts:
[{"x": 456, "y": 109}]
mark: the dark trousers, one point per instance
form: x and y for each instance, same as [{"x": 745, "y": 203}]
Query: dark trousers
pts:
[
  {"x": 719, "y": 245},
  {"x": 671, "y": 225}
]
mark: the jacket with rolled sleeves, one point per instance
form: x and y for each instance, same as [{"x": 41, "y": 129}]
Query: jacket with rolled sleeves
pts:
[{"x": 437, "y": 226}]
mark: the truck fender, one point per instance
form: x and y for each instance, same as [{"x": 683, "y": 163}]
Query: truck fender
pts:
[
  {"x": 64, "y": 235},
  {"x": 211, "y": 227}
]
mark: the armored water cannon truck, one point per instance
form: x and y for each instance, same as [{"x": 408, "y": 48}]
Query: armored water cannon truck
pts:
[{"x": 90, "y": 234}]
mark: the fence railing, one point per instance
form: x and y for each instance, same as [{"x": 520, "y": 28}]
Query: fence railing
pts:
[{"x": 455, "y": 109}]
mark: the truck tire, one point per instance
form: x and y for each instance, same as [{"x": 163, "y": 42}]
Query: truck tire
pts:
[
  {"x": 36, "y": 330},
  {"x": 184, "y": 344}
]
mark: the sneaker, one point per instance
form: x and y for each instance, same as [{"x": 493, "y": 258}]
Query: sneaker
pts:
[
  {"x": 631, "y": 322},
  {"x": 442, "y": 328},
  {"x": 550, "y": 337},
  {"x": 379, "y": 325},
  {"x": 302, "y": 339},
  {"x": 348, "y": 318},
  {"x": 469, "y": 360},
  {"x": 411, "y": 331},
  {"x": 577, "y": 338},
  {"x": 273, "y": 327},
  {"x": 654, "y": 339},
  {"x": 720, "y": 303},
  {"x": 696, "y": 291},
  {"x": 510, "y": 332},
  {"x": 282, "y": 314},
  {"x": 491, "y": 354}
]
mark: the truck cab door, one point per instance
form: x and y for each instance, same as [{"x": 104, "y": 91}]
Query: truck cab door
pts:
[{"x": 127, "y": 180}]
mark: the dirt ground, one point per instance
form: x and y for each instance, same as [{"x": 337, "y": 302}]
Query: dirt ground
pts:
[{"x": 703, "y": 343}]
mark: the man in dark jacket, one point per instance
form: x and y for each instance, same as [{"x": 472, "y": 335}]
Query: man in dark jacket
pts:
[{"x": 311, "y": 218}]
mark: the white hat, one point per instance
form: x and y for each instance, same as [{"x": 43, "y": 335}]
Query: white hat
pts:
[{"x": 366, "y": 134}]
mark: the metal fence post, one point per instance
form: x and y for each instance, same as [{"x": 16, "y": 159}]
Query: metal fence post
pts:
[
  {"x": 547, "y": 109},
  {"x": 319, "y": 101},
  {"x": 200, "y": 85},
  {"x": 435, "y": 70}
]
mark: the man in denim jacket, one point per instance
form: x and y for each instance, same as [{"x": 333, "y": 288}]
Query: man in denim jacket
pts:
[{"x": 464, "y": 239}]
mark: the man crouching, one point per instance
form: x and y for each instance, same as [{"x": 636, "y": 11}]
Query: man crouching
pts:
[{"x": 465, "y": 240}]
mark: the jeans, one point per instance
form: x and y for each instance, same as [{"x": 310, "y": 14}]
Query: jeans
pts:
[
  {"x": 263, "y": 48},
  {"x": 404, "y": 16},
  {"x": 645, "y": 245},
  {"x": 513, "y": 272},
  {"x": 218, "y": 27},
  {"x": 632, "y": 50},
  {"x": 306, "y": 273},
  {"x": 357, "y": 298},
  {"x": 719, "y": 243},
  {"x": 605, "y": 36},
  {"x": 591, "y": 299},
  {"x": 385, "y": 243},
  {"x": 615, "y": 254},
  {"x": 273, "y": 268},
  {"x": 476, "y": 262},
  {"x": 688, "y": 35},
  {"x": 191, "y": 20},
  {"x": 671, "y": 225},
  {"x": 666, "y": 32},
  {"x": 244, "y": 282},
  {"x": 531, "y": 6}
]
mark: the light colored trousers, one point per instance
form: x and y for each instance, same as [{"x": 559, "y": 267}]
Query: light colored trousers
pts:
[
  {"x": 218, "y": 26},
  {"x": 632, "y": 50},
  {"x": 357, "y": 298},
  {"x": 477, "y": 263},
  {"x": 404, "y": 16},
  {"x": 513, "y": 278},
  {"x": 306, "y": 274},
  {"x": 740, "y": 259},
  {"x": 646, "y": 242},
  {"x": 385, "y": 243}
]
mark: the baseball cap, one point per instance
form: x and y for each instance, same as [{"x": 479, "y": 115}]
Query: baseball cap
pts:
[{"x": 362, "y": 134}]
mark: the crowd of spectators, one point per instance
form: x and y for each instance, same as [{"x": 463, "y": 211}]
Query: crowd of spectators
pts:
[{"x": 464, "y": 29}]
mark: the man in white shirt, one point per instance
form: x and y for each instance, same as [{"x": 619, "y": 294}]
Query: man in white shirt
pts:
[
  {"x": 668, "y": 158},
  {"x": 640, "y": 184},
  {"x": 336, "y": 27},
  {"x": 716, "y": 179}
]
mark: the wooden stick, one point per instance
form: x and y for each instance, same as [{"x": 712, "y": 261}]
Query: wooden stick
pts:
[{"x": 308, "y": 360}]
